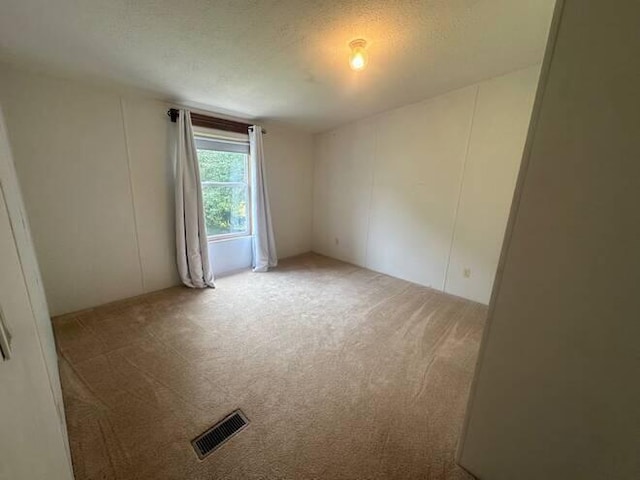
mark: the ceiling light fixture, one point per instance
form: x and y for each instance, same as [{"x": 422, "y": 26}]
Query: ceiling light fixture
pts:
[{"x": 358, "y": 57}]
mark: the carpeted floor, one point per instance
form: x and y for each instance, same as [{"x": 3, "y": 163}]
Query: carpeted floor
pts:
[{"x": 344, "y": 373}]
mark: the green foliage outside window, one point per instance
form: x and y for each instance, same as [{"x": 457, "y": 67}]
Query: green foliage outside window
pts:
[{"x": 225, "y": 203}]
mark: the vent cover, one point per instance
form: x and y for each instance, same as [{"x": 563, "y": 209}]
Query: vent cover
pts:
[{"x": 219, "y": 433}]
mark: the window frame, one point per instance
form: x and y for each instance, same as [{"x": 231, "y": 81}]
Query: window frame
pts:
[{"x": 224, "y": 139}]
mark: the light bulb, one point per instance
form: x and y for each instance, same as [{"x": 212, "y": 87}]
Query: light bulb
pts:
[{"x": 358, "y": 57}]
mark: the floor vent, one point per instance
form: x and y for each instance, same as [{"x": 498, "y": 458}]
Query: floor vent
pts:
[{"x": 219, "y": 433}]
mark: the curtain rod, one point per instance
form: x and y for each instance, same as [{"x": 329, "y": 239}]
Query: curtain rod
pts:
[{"x": 199, "y": 120}]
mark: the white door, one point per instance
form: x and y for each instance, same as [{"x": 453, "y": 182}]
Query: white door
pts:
[{"x": 33, "y": 443}]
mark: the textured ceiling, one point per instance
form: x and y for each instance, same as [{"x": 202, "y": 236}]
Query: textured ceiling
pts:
[{"x": 278, "y": 59}]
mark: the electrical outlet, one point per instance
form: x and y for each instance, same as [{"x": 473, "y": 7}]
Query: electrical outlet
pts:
[{"x": 466, "y": 273}]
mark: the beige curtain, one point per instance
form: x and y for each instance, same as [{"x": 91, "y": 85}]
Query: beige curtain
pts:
[
  {"x": 191, "y": 235},
  {"x": 264, "y": 244}
]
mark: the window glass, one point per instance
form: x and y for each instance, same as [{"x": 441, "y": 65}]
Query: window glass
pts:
[
  {"x": 216, "y": 166},
  {"x": 225, "y": 189}
]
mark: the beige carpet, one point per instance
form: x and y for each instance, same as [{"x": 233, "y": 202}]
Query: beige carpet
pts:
[{"x": 344, "y": 374}]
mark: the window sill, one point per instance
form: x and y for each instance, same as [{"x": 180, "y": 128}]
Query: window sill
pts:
[{"x": 227, "y": 239}]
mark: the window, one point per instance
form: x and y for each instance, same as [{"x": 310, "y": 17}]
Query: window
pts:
[{"x": 224, "y": 173}]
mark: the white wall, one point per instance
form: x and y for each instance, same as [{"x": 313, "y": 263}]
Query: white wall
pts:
[
  {"x": 557, "y": 390},
  {"x": 96, "y": 177},
  {"x": 423, "y": 192},
  {"x": 31, "y": 410},
  {"x": 496, "y": 142},
  {"x": 230, "y": 255},
  {"x": 289, "y": 157}
]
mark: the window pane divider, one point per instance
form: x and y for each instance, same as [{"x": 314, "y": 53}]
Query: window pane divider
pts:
[{"x": 225, "y": 184}]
